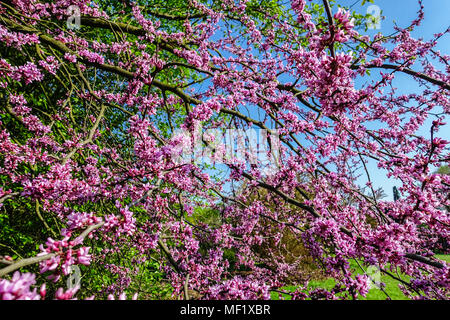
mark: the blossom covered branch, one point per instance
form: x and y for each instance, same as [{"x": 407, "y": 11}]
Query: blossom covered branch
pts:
[{"x": 94, "y": 122}]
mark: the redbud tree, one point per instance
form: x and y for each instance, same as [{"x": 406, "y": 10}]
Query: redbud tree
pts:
[{"x": 101, "y": 99}]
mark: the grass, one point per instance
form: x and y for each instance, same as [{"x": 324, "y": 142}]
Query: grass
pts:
[{"x": 391, "y": 285}]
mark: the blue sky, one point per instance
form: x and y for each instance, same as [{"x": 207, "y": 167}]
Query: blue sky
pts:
[
  {"x": 437, "y": 19},
  {"x": 402, "y": 12}
]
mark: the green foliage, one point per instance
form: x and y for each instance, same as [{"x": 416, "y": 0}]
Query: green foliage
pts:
[
  {"x": 205, "y": 215},
  {"x": 444, "y": 170},
  {"x": 146, "y": 278},
  {"x": 20, "y": 232},
  {"x": 390, "y": 286},
  {"x": 365, "y": 1}
]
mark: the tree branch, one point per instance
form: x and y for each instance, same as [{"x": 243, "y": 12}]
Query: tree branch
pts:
[
  {"x": 410, "y": 72},
  {"x": 28, "y": 261}
]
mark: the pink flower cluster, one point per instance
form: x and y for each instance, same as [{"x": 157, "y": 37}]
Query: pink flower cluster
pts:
[
  {"x": 102, "y": 152},
  {"x": 20, "y": 287},
  {"x": 239, "y": 289},
  {"x": 28, "y": 72},
  {"x": 64, "y": 256}
]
